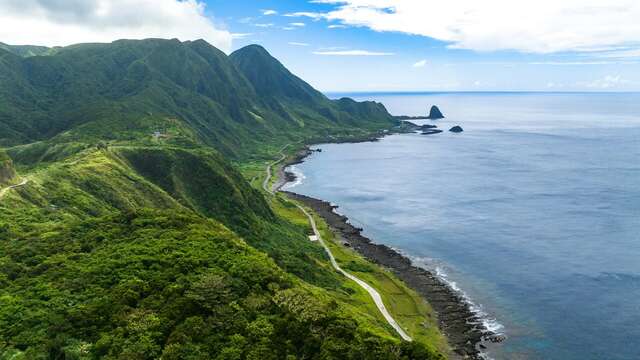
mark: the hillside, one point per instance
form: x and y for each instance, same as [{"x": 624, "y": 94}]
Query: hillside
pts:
[
  {"x": 27, "y": 50},
  {"x": 140, "y": 87},
  {"x": 7, "y": 172},
  {"x": 137, "y": 236}
]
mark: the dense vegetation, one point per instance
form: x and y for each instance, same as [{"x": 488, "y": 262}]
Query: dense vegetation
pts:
[
  {"x": 7, "y": 173},
  {"x": 190, "y": 92},
  {"x": 136, "y": 238}
]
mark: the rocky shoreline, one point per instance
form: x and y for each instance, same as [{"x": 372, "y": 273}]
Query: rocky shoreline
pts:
[{"x": 464, "y": 328}]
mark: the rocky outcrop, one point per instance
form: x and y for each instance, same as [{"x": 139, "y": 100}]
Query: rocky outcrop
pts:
[
  {"x": 435, "y": 113},
  {"x": 463, "y": 327},
  {"x": 7, "y": 172},
  {"x": 456, "y": 129},
  {"x": 431, "y": 131}
]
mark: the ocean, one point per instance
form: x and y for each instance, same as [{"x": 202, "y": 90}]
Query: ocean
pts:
[{"x": 533, "y": 212}]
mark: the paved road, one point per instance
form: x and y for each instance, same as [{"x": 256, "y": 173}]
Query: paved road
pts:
[
  {"x": 5, "y": 190},
  {"x": 375, "y": 295},
  {"x": 265, "y": 183}
]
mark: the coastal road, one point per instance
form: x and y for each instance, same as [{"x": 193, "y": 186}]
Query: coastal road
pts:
[
  {"x": 375, "y": 295},
  {"x": 265, "y": 183},
  {"x": 5, "y": 190}
]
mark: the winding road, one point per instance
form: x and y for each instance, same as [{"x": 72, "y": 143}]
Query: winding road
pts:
[
  {"x": 5, "y": 190},
  {"x": 265, "y": 183},
  {"x": 375, "y": 295}
]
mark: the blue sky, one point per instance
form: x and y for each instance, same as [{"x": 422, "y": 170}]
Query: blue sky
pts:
[{"x": 376, "y": 45}]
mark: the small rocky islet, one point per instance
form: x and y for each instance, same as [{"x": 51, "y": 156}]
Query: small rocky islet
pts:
[{"x": 435, "y": 113}]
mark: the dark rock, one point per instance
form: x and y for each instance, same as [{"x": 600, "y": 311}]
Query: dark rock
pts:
[
  {"x": 435, "y": 113},
  {"x": 456, "y": 129},
  {"x": 431, "y": 132},
  {"x": 428, "y": 126},
  {"x": 463, "y": 327}
]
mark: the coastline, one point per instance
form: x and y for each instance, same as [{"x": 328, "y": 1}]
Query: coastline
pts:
[{"x": 463, "y": 327}]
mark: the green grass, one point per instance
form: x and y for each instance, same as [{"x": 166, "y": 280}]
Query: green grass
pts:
[
  {"x": 409, "y": 309},
  {"x": 116, "y": 251},
  {"x": 128, "y": 246}
]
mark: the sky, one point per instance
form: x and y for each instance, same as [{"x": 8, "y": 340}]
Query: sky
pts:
[{"x": 375, "y": 45}]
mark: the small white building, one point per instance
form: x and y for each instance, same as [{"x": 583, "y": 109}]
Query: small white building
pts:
[{"x": 313, "y": 238}]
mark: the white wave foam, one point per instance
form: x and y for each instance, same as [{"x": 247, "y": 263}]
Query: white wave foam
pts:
[
  {"x": 299, "y": 177},
  {"x": 488, "y": 322}
]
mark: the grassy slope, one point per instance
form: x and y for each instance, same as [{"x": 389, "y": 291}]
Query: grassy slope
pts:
[
  {"x": 122, "y": 242},
  {"x": 119, "y": 261},
  {"x": 189, "y": 91},
  {"x": 7, "y": 172},
  {"x": 411, "y": 311}
]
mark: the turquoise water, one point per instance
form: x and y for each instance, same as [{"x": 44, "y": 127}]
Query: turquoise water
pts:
[{"x": 533, "y": 212}]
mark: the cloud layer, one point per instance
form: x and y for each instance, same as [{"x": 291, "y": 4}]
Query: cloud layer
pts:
[
  {"x": 542, "y": 26},
  {"x": 65, "y": 22}
]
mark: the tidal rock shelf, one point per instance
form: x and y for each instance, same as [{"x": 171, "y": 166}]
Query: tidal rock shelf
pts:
[{"x": 462, "y": 326}]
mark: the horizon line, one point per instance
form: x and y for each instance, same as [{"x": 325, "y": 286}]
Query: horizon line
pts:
[{"x": 409, "y": 92}]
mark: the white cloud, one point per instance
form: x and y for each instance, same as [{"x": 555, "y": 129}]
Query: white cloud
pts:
[
  {"x": 554, "y": 85},
  {"x": 312, "y": 15},
  {"x": 261, "y": 25},
  {"x": 240, "y": 35},
  {"x": 607, "y": 82},
  {"x": 334, "y": 26},
  {"x": 620, "y": 54},
  {"x": 420, "y": 64},
  {"x": 267, "y": 12},
  {"x": 333, "y": 48},
  {"x": 542, "y": 26},
  {"x": 352, "y": 53},
  {"x": 298, "y": 24},
  {"x": 580, "y": 63},
  {"x": 59, "y": 23},
  {"x": 293, "y": 43}
]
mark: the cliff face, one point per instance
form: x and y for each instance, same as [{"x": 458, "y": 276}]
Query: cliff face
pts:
[{"x": 7, "y": 173}]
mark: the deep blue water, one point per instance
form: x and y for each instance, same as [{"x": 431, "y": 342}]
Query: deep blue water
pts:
[{"x": 533, "y": 211}]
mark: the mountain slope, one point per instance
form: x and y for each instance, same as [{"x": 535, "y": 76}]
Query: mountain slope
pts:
[
  {"x": 137, "y": 237},
  {"x": 27, "y": 50},
  {"x": 7, "y": 172},
  {"x": 270, "y": 78},
  {"x": 149, "y": 85}
]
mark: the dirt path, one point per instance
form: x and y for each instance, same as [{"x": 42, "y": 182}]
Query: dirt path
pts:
[
  {"x": 375, "y": 295},
  {"x": 6, "y": 190}
]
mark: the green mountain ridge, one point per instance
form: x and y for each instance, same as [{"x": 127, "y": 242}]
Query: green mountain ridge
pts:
[
  {"x": 219, "y": 98},
  {"x": 28, "y": 50},
  {"x": 137, "y": 237}
]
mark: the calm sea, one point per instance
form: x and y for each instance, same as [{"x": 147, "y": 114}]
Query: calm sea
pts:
[{"x": 533, "y": 211}]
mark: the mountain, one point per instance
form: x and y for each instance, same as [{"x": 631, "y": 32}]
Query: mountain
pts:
[
  {"x": 27, "y": 50},
  {"x": 233, "y": 103},
  {"x": 139, "y": 234},
  {"x": 270, "y": 78}
]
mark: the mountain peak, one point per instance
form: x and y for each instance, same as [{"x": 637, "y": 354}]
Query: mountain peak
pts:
[
  {"x": 253, "y": 48},
  {"x": 269, "y": 77}
]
